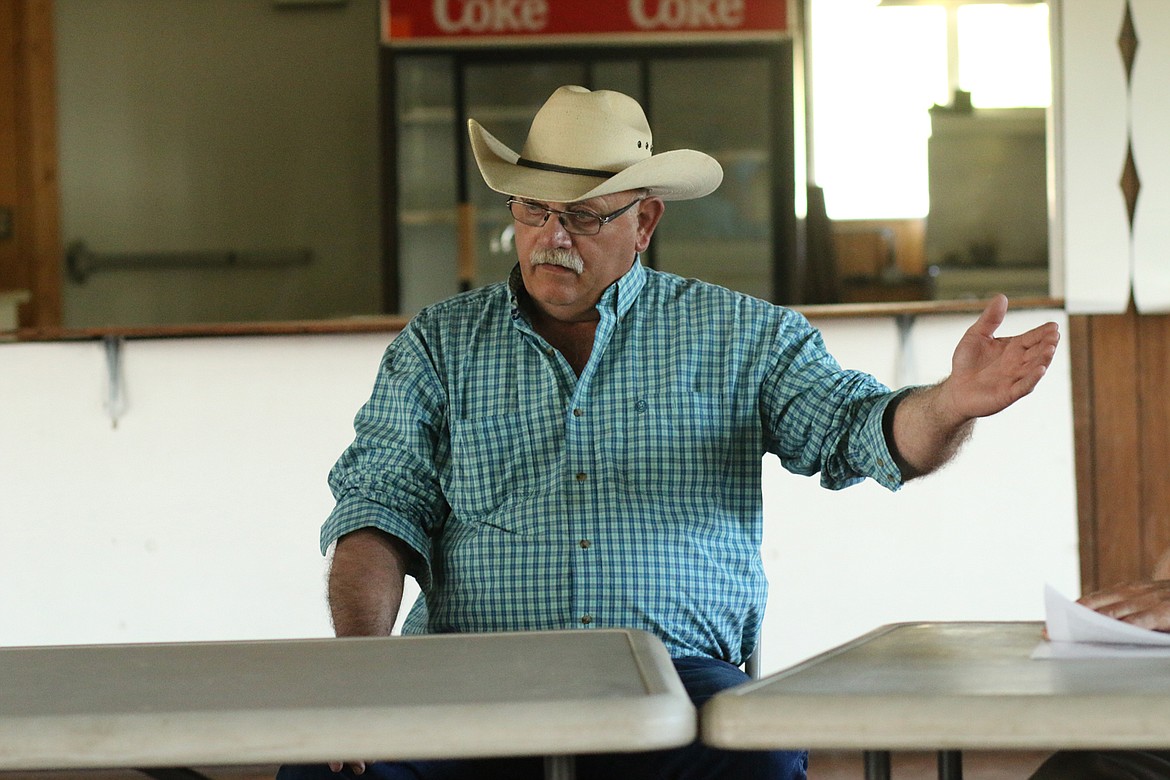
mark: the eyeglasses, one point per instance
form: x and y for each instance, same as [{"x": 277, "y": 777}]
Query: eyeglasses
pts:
[{"x": 581, "y": 223}]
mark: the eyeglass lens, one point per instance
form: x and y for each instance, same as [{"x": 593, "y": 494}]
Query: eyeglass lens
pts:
[{"x": 535, "y": 215}]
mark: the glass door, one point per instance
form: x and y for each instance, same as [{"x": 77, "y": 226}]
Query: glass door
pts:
[
  {"x": 421, "y": 190},
  {"x": 451, "y": 232},
  {"x": 726, "y": 237},
  {"x": 503, "y": 98}
]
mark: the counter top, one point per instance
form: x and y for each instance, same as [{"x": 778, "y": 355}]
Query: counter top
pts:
[{"x": 393, "y": 323}]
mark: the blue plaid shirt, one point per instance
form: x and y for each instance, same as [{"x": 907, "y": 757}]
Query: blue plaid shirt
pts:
[{"x": 629, "y": 496}]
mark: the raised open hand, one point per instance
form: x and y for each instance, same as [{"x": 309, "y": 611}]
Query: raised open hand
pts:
[{"x": 990, "y": 373}]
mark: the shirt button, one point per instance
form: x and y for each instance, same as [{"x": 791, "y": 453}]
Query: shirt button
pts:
[
  {"x": 640, "y": 405},
  {"x": 585, "y": 543},
  {"x": 581, "y": 476},
  {"x": 550, "y": 351},
  {"x": 578, "y": 412},
  {"x": 586, "y": 619}
]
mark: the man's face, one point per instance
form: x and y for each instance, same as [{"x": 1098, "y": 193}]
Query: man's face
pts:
[{"x": 570, "y": 294}]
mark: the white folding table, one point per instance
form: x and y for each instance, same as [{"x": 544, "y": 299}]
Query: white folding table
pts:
[
  {"x": 946, "y": 687},
  {"x": 552, "y": 694}
]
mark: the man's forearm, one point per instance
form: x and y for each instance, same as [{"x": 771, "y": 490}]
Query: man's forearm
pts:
[
  {"x": 366, "y": 578},
  {"x": 925, "y": 432}
]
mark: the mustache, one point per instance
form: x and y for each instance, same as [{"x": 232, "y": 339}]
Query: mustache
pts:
[{"x": 565, "y": 258}]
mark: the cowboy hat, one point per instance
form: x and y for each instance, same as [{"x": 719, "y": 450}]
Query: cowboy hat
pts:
[{"x": 584, "y": 144}]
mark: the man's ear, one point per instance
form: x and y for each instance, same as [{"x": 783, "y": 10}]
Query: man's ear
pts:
[{"x": 649, "y": 212}]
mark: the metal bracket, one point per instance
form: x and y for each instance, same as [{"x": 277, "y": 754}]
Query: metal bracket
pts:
[
  {"x": 905, "y": 365},
  {"x": 81, "y": 262},
  {"x": 115, "y": 382}
]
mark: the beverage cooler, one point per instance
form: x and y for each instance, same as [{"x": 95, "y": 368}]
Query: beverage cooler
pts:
[{"x": 712, "y": 75}]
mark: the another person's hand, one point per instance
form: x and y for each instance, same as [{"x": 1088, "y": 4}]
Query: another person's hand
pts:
[
  {"x": 989, "y": 373},
  {"x": 357, "y": 767},
  {"x": 1143, "y": 604}
]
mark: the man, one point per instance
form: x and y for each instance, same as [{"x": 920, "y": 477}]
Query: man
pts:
[{"x": 581, "y": 446}]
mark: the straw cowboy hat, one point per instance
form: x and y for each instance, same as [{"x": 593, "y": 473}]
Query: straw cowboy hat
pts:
[{"x": 584, "y": 144}]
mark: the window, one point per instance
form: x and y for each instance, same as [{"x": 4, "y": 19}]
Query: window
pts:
[{"x": 875, "y": 72}]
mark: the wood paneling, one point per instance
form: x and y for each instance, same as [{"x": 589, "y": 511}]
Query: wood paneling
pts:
[
  {"x": 865, "y": 246},
  {"x": 30, "y": 259},
  {"x": 1081, "y": 358},
  {"x": 1153, "y": 335},
  {"x": 1121, "y": 368}
]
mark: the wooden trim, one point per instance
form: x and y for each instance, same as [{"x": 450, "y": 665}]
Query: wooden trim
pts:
[
  {"x": 1152, "y": 459},
  {"x": 1080, "y": 329},
  {"x": 1116, "y": 444},
  {"x": 44, "y": 190},
  {"x": 972, "y": 306},
  {"x": 379, "y": 324},
  {"x": 1121, "y": 418},
  {"x": 390, "y": 323},
  {"x": 31, "y": 259},
  {"x": 11, "y": 277}
]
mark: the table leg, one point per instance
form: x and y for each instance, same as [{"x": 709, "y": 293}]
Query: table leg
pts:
[
  {"x": 177, "y": 773},
  {"x": 950, "y": 765},
  {"x": 560, "y": 768},
  {"x": 877, "y": 764}
]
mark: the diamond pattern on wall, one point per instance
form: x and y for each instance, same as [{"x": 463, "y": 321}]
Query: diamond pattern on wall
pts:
[
  {"x": 1131, "y": 184},
  {"x": 1127, "y": 42}
]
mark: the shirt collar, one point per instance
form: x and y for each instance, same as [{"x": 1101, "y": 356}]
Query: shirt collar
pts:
[
  {"x": 517, "y": 295},
  {"x": 619, "y": 296}
]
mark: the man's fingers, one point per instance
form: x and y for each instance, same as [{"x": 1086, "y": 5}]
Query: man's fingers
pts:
[
  {"x": 1046, "y": 336},
  {"x": 358, "y": 767},
  {"x": 992, "y": 317}
]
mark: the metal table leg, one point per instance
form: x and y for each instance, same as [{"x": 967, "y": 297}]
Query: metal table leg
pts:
[
  {"x": 560, "y": 768},
  {"x": 950, "y": 765},
  {"x": 877, "y": 764},
  {"x": 176, "y": 773}
]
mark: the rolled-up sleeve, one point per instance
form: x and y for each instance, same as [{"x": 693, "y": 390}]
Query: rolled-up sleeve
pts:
[
  {"x": 388, "y": 477},
  {"x": 821, "y": 418}
]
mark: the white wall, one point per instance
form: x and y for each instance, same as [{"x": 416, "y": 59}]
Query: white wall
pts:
[
  {"x": 196, "y": 517},
  {"x": 976, "y": 541}
]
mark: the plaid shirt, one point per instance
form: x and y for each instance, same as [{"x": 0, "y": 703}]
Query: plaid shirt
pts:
[{"x": 629, "y": 496}]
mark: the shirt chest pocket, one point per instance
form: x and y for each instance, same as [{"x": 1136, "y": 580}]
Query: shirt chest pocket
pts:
[
  {"x": 495, "y": 461},
  {"x": 672, "y": 443}
]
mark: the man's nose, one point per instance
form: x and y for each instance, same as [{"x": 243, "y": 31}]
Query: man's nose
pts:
[{"x": 554, "y": 229}]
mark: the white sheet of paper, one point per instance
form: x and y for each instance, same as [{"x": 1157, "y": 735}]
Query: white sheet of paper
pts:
[{"x": 1075, "y": 631}]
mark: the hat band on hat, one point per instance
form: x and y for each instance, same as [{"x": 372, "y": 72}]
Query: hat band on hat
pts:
[{"x": 563, "y": 169}]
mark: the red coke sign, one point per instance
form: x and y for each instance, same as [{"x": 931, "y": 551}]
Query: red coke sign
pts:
[{"x": 443, "y": 22}]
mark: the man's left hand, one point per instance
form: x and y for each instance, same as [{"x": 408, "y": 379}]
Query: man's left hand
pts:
[{"x": 989, "y": 373}]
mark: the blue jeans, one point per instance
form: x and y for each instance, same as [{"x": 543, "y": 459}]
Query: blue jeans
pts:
[{"x": 702, "y": 678}]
